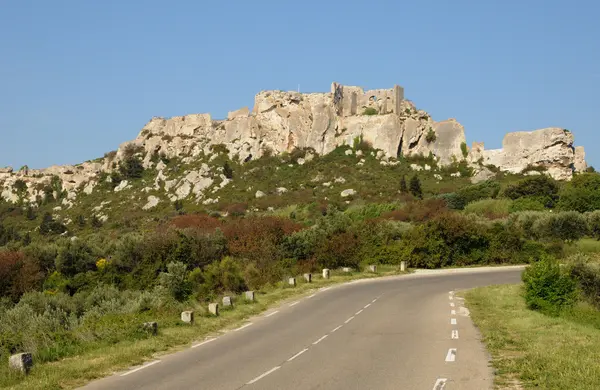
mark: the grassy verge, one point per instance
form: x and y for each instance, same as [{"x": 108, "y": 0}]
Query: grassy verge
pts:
[
  {"x": 533, "y": 349},
  {"x": 100, "y": 360}
]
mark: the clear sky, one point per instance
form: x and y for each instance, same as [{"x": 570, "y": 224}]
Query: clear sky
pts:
[{"x": 78, "y": 77}]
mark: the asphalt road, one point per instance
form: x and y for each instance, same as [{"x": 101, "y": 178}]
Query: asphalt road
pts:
[{"x": 407, "y": 332}]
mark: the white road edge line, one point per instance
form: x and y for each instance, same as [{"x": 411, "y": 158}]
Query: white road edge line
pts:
[
  {"x": 310, "y": 296},
  {"x": 336, "y": 328},
  {"x": 349, "y": 319},
  {"x": 272, "y": 370},
  {"x": 204, "y": 342},
  {"x": 141, "y": 368},
  {"x": 272, "y": 314},
  {"x": 453, "y": 312},
  {"x": 243, "y": 327},
  {"x": 440, "y": 384},
  {"x": 373, "y": 301},
  {"x": 367, "y": 306},
  {"x": 298, "y": 354},
  {"x": 452, "y": 321},
  {"x": 294, "y": 304},
  {"x": 319, "y": 340},
  {"x": 451, "y": 355},
  {"x": 455, "y": 334},
  {"x": 358, "y": 312}
]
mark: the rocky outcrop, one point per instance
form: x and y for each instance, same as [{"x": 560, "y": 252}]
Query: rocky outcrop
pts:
[
  {"x": 283, "y": 121},
  {"x": 550, "y": 148}
]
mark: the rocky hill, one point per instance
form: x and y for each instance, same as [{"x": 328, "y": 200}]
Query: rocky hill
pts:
[{"x": 280, "y": 123}]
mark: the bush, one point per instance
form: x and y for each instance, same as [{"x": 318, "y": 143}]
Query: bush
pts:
[
  {"x": 542, "y": 188},
  {"x": 588, "y": 278},
  {"x": 430, "y": 136},
  {"x": 565, "y": 226},
  {"x": 526, "y": 204},
  {"x": 447, "y": 239},
  {"x": 464, "y": 149},
  {"x": 223, "y": 276},
  {"x": 547, "y": 288},
  {"x": 485, "y": 189},
  {"x": 453, "y": 200},
  {"x": 593, "y": 223},
  {"x": 415, "y": 187},
  {"x": 489, "y": 208},
  {"x": 131, "y": 168},
  {"x": 581, "y": 194},
  {"x": 175, "y": 280},
  {"x": 370, "y": 111}
]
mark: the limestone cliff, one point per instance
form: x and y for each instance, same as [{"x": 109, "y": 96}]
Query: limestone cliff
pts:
[{"x": 283, "y": 121}]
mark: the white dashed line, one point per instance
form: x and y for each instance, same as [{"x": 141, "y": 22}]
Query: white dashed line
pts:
[
  {"x": 349, "y": 319},
  {"x": 336, "y": 328},
  {"x": 242, "y": 327},
  {"x": 319, "y": 340},
  {"x": 455, "y": 334},
  {"x": 141, "y": 368},
  {"x": 272, "y": 370},
  {"x": 452, "y": 321},
  {"x": 367, "y": 306},
  {"x": 272, "y": 314},
  {"x": 358, "y": 312},
  {"x": 453, "y": 312},
  {"x": 451, "y": 304},
  {"x": 451, "y": 355},
  {"x": 310, "y": 296},
  {"x": 294, "y": 304},
  {"x": 202, "y": 343},
  {"x": 440, "y": 384},
  {"x": 373, "y": 301},
  {"x": 298, "y": 354}
]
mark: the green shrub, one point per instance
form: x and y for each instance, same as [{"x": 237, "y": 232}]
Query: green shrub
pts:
[
  {"x": 370, "y": 111},
  {"x": 542, "y": 188},
  {"x": 131, "y": 168},
  {"x": 464, "y": 149},
  {"x": 485, "y": 189},
  {"x": 565, "y": 226},
  {"x": 526, "y": 204},
  {"x": 489, "y": 208},
  {"x": 588, "y": 278},
  {"x": 593, "y": 222},
  {"x": 430, "y": 136},
  {"x": 547, "y": 288},
  {"x": 581, "y": 194},
  {"x": 175, "y": 280},
  {"x": 415, "y": 187},
  {"x": 453, "y": 200}
]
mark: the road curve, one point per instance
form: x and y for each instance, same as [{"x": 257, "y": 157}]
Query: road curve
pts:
[{"x": 406, "y": 332}]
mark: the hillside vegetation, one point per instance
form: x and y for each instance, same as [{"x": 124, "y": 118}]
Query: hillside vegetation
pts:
[{"x": 90, "y": 274}]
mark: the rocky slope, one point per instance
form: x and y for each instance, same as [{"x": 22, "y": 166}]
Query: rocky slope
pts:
[{"x": 284, "y": 121}]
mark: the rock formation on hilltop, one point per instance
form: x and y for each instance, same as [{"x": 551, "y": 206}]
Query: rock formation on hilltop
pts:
[{"x": 283, "y": 121}]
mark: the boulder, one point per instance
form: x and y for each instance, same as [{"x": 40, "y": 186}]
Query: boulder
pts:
[{"x": 347, "y": 193}]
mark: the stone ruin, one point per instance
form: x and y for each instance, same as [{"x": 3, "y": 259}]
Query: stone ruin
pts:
[{"x": 282, "y": 121}]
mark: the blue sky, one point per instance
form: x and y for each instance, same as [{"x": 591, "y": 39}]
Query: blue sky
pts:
[{"x": 77, "y": 78}]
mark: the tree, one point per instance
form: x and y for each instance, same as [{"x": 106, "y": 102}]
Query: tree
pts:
[
  {"x": 415, "y": 187},
  {"x": 131, "y": 168},
  {"x": 543, "y": 188},
  {"x": 81, "y": 221},
  {"x": 581, "y": 194},
  {"x": 96, "y": 222},
  {"x": 50, "y": 226},
  {"x": 403, "y": 188}
]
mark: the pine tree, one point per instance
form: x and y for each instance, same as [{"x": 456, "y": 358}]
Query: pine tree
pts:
[
  {"x": 403, "y": 188},
  {"x": 415, "y": 187}
]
